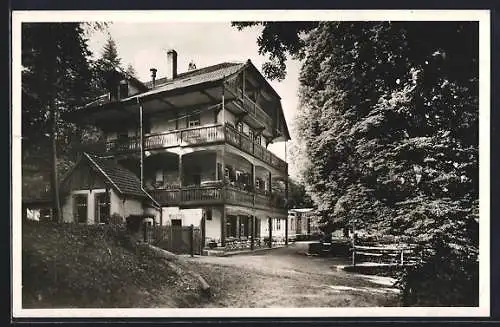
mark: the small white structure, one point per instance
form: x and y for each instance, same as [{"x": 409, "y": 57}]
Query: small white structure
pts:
[
  {"x": 98, "y": 190},
  {"x": 302, "y": 221}
]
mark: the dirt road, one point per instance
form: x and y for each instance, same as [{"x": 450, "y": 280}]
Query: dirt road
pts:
[{"x": 286, "y": 277}]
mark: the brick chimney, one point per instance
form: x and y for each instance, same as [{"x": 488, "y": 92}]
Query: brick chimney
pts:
[
  {"x": 171, "y": 64},
  {"x": 153, "y": 76}
]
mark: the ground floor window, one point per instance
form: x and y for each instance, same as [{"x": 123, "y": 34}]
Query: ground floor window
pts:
[
  {"x": 80, "y": 208},
  {"x": 257, "y": 227},
  {"x": 231, "y": 226},
  {"x": 102, "y": 208},
  {"x": 245, "y": 226}
]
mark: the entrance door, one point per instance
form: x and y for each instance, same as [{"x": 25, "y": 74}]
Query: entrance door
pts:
[
  {"x": 102, "y": 208},
  {"x": 80, "y": 208}
]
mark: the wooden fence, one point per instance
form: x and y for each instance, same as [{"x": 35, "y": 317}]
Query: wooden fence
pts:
[
  {"x": 384, "y": 254},
  {"x": 177, "y": 239}
]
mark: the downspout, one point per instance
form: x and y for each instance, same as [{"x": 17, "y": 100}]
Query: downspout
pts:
[{"x": 141, "y": 140}]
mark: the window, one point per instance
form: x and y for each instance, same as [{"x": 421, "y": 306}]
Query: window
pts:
[
  {"x": 159, "y": 176},
  {"x": 146, "y": 126},
  {"x": 258, "y": 183},
  {"x": 241, "y": 177},
  {"x": 219, "y": 171},
  {"x": 239, "y": 127},
  {"x": 244, "y": 226},
  {"x": 257, "y": 227},
  {"x": 123, "y": 89},
  {"x": 80, "y": 208},
  {"x": 196, "y": 179},
  {"x": 208, "y": 214},
  {"x": 250, "y": 134},
  {"x": 102, "y": 208},
  {"x": 231, "y": 227},
  {"x": 257, "y": 139},
  {"x": 292, "y": 227},
  {"x": 246, "y": 129},
  {"x": 194, "y": 120},
  {"x": 176, "y": 222},
  {"x": 278, "y": 224}
]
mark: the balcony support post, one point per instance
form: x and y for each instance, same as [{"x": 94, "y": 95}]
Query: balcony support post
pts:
[
  {"x": 203, "y": 227},
  {"x": 252, "y": 231},
  {"x": 270, "y": 223},
  {"x": 270, "y": 186},
  {"x": 181, "y": 170},
  {"x": 223, "y": 104},
  {"x": 238, "y": 224},
  {"x": 223, "y": 226}
]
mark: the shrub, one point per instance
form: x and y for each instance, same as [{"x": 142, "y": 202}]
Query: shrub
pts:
[
  {"x": 447, "y": 276},
  {"x": 134, "y": 222},
  {"x": 116, "y": 219}
]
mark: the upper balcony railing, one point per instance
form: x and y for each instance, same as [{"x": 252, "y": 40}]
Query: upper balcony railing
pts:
[
  {"x": 202, "y": 135},
  {"x": 218, "y": 194},
  {"x": 250, "y": 106}
]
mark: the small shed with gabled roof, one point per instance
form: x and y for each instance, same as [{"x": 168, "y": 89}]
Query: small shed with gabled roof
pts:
[{"x": 97, "y": 190}]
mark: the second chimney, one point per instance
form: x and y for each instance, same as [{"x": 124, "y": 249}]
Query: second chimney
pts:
[
  {"x": 171, "y": 64},
  {"x": 153, "y": 76}
]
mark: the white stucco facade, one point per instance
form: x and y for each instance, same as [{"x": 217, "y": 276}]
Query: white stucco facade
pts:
[{"x": 123, "y": 206}]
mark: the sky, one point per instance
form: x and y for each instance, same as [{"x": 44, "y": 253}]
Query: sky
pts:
[{"x": 144, "y": 45}]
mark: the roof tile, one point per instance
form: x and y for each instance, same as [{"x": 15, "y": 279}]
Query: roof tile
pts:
[{"x": 125, "y": 180}]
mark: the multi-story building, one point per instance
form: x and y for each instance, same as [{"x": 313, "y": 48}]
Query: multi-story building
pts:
[
  {"x": 303, "y": 222},
  {"x": 197, "y": 141}
]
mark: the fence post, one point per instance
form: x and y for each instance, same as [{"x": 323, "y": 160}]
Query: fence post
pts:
[
  {"x": 191, "y": 240},
  {"x": 353, "y": 251}
]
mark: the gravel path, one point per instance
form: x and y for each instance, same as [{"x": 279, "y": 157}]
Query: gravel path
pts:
[{"x": 287, "y": 277}]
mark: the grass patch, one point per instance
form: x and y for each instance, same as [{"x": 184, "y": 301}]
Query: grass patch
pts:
[{"x": 75, "y": 266}]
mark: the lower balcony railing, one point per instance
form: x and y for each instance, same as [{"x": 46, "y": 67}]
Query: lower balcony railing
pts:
[
  {"x": 189, "y": 137},
  {"x": 211, "y": 195}
]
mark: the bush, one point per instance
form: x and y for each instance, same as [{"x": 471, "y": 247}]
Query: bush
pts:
[
  {"x": 116, "y": 219},
  {"x": 446, "y": 277},
  {"x": 134, "y": 222}
]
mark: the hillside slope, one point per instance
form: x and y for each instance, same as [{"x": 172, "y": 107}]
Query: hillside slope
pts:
[{"x": 68, "y": 266}]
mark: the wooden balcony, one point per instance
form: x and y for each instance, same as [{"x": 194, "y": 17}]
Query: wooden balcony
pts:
[
  {"x": 214, "y": 195},
  {"x": 244, "y": 143},
  {"x": 203, "y": 135},
  {"x": 248, "y": 105}
]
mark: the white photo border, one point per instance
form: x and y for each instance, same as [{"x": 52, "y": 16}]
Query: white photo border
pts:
[{"x": 482, "y": 16}]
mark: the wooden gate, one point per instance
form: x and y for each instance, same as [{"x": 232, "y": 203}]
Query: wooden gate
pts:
[{"x": 178, "y": 239}]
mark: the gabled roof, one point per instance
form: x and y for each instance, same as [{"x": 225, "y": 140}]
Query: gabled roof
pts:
[
  {"x": 191, "y": 78},
  {"x": 123, "y": 180},
  {"x": 211, "y": 72},
  {"x": 137, "y": 83}
]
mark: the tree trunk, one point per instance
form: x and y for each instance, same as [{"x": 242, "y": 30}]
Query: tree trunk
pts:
[{"x": 56, "y": 205}]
